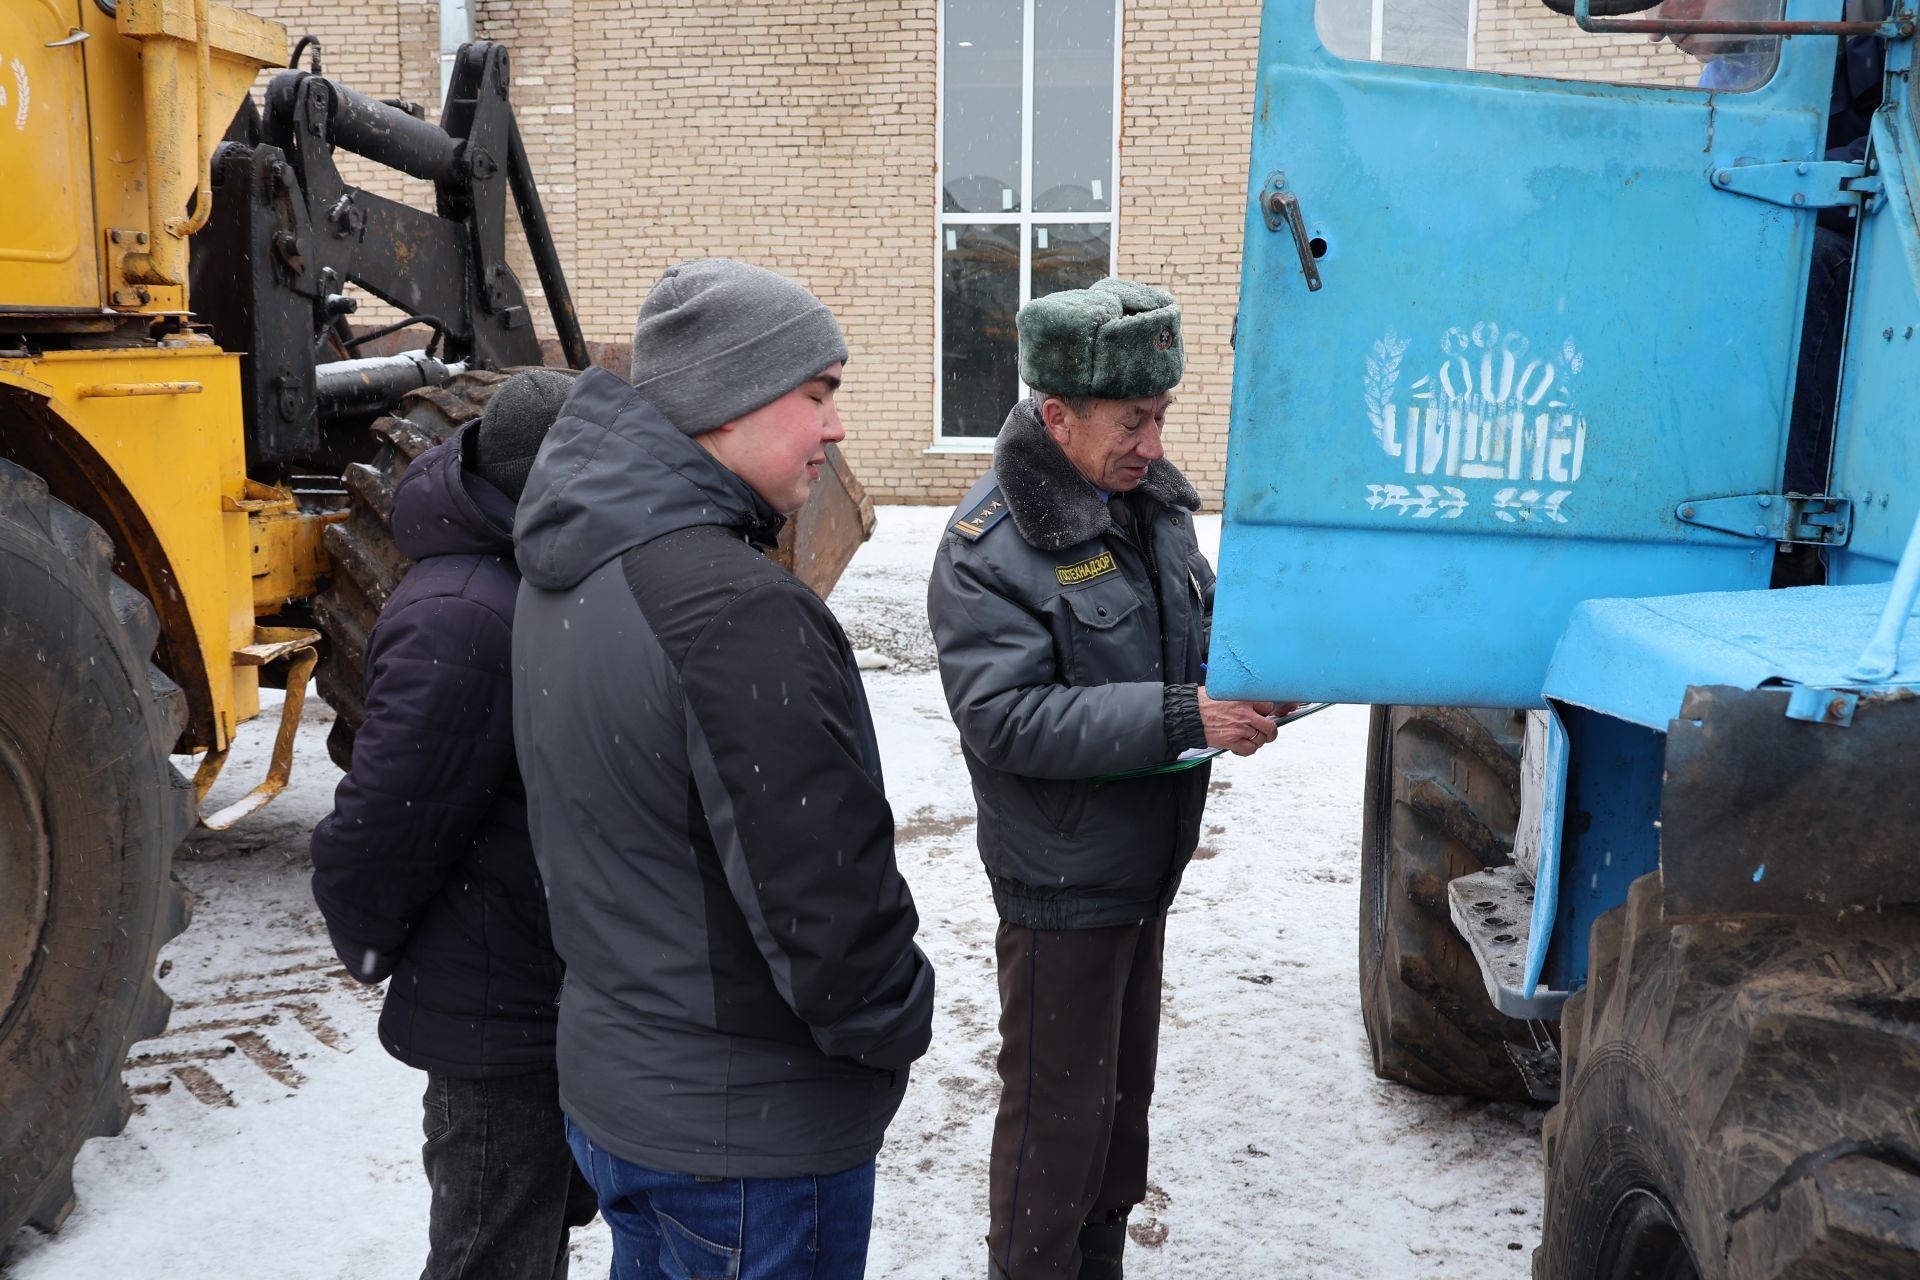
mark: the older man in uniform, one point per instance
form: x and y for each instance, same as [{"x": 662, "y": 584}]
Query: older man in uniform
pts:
[{"x": 1070, "y": 604}]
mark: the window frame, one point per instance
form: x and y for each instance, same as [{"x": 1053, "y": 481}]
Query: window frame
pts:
[{"x": 1025, "y": 218}]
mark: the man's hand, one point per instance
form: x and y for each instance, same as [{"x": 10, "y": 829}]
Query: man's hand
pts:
[{"x": 1241, "y": 727}]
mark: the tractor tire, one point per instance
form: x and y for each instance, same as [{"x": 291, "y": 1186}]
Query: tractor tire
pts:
[
  {"x": 1442, "y": 801},
  {"x": 91, "y": 810},
  {"x": 1739, "y": 1100},
  {"x": 367, "y": 566}
]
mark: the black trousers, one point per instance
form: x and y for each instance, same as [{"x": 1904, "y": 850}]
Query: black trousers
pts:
[
  {"x": 1079, "y": 1040},
  {"x": 505, "y": 1189}
]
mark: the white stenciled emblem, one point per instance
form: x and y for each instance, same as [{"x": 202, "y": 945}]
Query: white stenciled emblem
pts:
[
  {"x": 22, "y": 94},
  {"x": 1420, "y": 502},
  {"x": 1492, "y": 409}
]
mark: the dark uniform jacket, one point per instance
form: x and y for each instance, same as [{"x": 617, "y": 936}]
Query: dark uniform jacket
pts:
[
  {"x": 743, "y": 991},
  {"x": 424, "y": 870},
  {"x": 1070, "y": 649}
]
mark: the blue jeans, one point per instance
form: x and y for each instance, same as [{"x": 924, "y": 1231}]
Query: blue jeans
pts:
[{"x": 673, "y": 1226}]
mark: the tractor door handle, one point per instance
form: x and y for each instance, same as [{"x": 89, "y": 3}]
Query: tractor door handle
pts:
[{"x": 1282, "y": 206}]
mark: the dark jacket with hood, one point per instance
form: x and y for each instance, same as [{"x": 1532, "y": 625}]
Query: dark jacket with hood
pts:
[
  {"x": 743, "y": 990},
  {"x": 424, "y": 870},
  {"x": 1071, "y": 648}
]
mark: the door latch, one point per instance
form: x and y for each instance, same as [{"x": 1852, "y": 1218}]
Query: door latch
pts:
[{"x": 1281, "y": 206}]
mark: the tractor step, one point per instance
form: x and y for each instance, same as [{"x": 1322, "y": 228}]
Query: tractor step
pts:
[{"x": 1493, "y": 910}]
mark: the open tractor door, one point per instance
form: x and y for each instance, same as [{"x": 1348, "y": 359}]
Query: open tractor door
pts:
[{"x": 1514, "y": 421}]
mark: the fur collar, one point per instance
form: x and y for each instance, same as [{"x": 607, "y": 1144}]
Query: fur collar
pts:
[{"x": 1052, "y": 504}]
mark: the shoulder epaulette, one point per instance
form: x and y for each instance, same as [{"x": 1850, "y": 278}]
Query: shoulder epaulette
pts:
[{"x": 974, "y": 525}]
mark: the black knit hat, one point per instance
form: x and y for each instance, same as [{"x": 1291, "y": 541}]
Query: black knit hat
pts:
[{"x": 500, "y": 449}]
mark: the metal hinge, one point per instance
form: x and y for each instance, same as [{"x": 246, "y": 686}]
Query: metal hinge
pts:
[
  {"x": 1800, "y": 184},
  {"x": 1778, "y": 517}
]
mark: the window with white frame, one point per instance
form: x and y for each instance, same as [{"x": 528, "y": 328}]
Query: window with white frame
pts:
[{"x": 1029, "y": 91}]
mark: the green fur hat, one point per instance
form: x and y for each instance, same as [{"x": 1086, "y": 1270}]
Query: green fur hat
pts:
[{"x": 1118, "y": 340}]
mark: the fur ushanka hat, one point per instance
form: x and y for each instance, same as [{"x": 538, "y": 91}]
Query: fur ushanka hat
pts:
[{"x": 1119, "y": 340}]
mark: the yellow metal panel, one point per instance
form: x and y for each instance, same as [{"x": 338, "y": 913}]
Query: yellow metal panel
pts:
[
  {"x": 182, "y": 125},
  {"x": 116, "y": 122},
  {"x": 48, "y": 254},
  {"x": 182, "y": 459},
  {"x": 289, "y": 559}
]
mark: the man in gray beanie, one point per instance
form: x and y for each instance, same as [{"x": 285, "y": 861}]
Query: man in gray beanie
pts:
[
  {"x": 744, "y": 996},
  {"x": 1071, "y": 608}
]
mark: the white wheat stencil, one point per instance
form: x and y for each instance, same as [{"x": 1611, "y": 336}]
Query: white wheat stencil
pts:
[
  {"x": 1421, "y": 502},
  {"x": 1383, "y": 372},
  {"x": 1513, "y": 505}
]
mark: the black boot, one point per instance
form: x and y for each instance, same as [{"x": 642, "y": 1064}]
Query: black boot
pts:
[{"x": 1101, "y": 1244}]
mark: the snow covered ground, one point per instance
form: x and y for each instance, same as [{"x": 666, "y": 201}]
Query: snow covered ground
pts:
[{"x": 274, "y": 1135}]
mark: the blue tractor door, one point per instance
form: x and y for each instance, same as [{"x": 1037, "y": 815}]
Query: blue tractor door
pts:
[{"x": 1543, "y": 318}]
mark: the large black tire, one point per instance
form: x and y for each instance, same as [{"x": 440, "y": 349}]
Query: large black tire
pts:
[
  {"x": 91, "y": 811},
  {"x": 1740, "y": 1101},
  {"x": 367, "y": 566},
  {"x": 1442, "y": 801}
]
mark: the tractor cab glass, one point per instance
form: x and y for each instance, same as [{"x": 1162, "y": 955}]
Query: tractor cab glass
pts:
[{"x": 1524, "y": 37}]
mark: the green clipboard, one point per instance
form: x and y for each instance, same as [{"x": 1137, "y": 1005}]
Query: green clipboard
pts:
[{"x": 1186, "y": 760}]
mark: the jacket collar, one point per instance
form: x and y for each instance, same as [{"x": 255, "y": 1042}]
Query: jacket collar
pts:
[
  {"x": 441, "y": 508},
  {"x": 1052, "y": 504},
  {"x": 614, "y": 473}
]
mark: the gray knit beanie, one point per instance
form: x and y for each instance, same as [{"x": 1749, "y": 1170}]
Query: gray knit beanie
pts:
[
  {"x": 717, "y": 339},
  {"x": 500, "y": 449}
]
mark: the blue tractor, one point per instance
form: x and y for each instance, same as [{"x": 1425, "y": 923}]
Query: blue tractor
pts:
[{"x": 1537, "y": 420}]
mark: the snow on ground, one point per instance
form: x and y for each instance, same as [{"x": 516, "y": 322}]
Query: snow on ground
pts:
[{"x": 274, "y": 1135}]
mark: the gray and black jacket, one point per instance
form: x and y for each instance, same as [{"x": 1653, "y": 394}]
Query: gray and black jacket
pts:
[
  {"x": 743, "y": 992},
  {"x": 1070, "y": 649}
]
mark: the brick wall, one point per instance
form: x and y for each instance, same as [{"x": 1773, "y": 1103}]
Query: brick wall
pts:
[
  {"x": 1524, "y": 37},
  {"x": 797, "y": 135},
  {"x": 1187, "y": 80}
]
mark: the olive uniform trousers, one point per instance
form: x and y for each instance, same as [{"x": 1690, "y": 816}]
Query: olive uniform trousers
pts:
[{"x": 1079, "y": 1040}]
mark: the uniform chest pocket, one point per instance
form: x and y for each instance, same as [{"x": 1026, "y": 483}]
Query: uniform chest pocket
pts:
[
  {"x": 1110, "y": 636},
  {"x": 1102, "y": 607}
]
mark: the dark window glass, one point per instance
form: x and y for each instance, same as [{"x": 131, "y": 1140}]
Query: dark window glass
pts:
[
  {"x": 1069, "y": 255},
  {"x": 980, "y": 118},
  {"x": 980, "y": 292},
  {"x": 1072, "y": 106}
]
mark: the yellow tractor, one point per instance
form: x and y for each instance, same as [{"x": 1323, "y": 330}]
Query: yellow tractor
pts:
[{"x": 181, "y": 394}]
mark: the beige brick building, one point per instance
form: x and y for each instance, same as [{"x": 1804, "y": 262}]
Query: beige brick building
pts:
[{"x": 806, "y": 136}]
